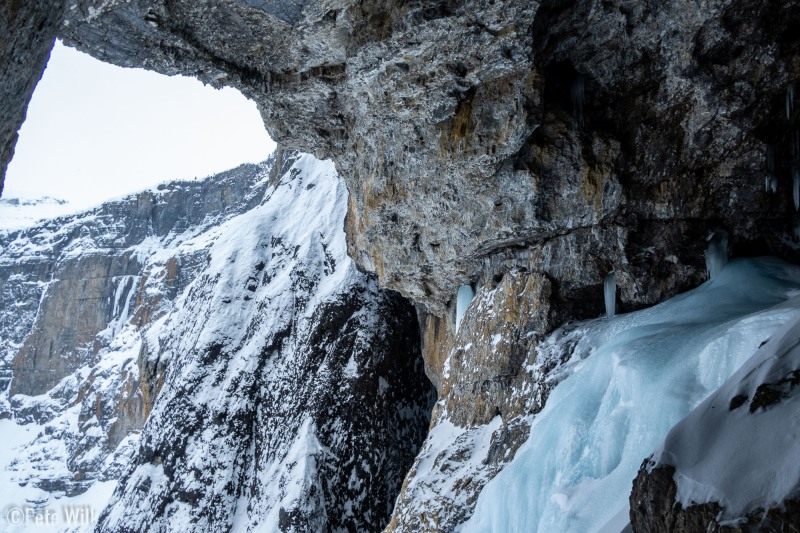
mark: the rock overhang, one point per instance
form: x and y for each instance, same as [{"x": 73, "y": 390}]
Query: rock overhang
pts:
[{"x": 456, "y": 126}]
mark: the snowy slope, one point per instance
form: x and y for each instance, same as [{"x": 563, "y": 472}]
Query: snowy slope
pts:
[
  {"x": 281, "y": 387},
  {"x": 20, "y": 212},
  {"x": 293, "y": 392},
  {"x": 631, "y": 378}
]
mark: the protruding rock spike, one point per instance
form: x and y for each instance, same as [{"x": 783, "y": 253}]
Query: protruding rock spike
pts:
[
  {"x": 790, "y": 90},
  {"x": 610, "y": 293},
  {"x": 463, "y": 298},
  {"x": 716, "y": 253}
]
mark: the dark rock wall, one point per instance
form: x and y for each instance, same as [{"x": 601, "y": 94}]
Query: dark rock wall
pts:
[
  {"x": 289, "y": 433},
  {"x": 654, "y": 509}
]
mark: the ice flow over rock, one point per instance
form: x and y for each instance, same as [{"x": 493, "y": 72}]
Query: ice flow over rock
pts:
[{"x": 629, "y": 381}]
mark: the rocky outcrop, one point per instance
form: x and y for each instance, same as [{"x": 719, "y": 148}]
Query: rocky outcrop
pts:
[{"x": 656, "y": 509}]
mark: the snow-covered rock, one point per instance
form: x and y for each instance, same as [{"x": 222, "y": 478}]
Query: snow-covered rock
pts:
[{"x": 281, "y": 388}]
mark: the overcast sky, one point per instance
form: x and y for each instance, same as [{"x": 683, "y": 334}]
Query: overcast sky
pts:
[{"x": 96, "y": 131}]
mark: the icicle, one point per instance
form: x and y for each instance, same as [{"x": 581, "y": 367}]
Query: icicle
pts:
[
  {"x": 463, "y": 298},
  {"x": 789, "y": 100},
  {"x": 577, "y": 92},
  {"x": 610, "y": 293},
  {"x": 796, "y": 187},
  {"x": 771, "y": 182},
  {"x": 796, "y": 169},
  {"x": 716, "y": 253}
]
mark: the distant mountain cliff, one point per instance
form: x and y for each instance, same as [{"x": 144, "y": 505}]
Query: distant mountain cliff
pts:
[{"x": 207, "y": 341}]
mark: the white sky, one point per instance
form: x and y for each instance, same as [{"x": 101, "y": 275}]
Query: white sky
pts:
[{"x": 95, "y": 131}]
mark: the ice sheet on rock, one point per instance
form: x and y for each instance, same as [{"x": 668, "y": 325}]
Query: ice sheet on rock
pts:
[
  {"x": 647, "y": 371},
  {"x": 747, "y": 457}
]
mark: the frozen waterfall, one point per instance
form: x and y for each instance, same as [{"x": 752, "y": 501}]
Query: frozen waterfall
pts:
[
  {"x": 716, "y": 253},
  {"x": 610, "y": 293},
  {"x": 463, "y": 298},
  {"x": 629, "y": 381}
]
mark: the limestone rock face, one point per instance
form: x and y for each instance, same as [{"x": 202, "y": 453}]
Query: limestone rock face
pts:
[{"x": 473, "y": 134}]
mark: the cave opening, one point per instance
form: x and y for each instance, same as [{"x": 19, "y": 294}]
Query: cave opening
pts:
[
  {"x": 95, "y": 131},
  {"x": 565, "y": 89}
]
